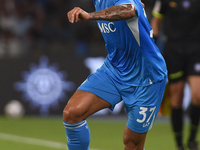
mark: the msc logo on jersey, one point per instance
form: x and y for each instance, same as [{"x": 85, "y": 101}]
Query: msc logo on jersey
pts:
[{"x": 107, "y": 27}]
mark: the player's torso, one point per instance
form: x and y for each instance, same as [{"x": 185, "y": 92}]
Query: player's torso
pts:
[
  {"x": 112, "y": 31},
  {"x": 123, "y": 34},
  {"x": 130, "y": 47}
]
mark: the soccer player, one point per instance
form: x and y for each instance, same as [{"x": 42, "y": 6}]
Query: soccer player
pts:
[
  {"x": 134, "y": 71},
  {"x": 182, "y": 54}
]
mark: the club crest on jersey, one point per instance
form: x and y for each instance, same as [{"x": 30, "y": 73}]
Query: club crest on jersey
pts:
[{"x": 107, "y": 27}]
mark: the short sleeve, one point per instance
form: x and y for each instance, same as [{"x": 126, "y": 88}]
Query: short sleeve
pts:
[{"x": 118, "y": 2}]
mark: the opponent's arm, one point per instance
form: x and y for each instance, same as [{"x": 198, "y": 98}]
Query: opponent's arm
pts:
[{"x": 114, "y": 13}]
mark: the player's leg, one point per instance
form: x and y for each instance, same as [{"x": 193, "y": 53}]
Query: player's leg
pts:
[
  {"x": 142, "y": 105},
  {"x": 81, "y": 105},
  {"x": 176, "y": 96},
  {"x": 133, "y": 140},
  {"x": 193, "y": 78},
  {"x": 194, "y": 82},
  {"x": 173, "y": 54},
  {"x": 96, "y": 93}
]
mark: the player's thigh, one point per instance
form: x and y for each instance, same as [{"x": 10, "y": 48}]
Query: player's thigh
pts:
[
  {"x": 143, "y": 106},
  {"x": 194, "y": 82},
  {"x": 96, "y": 93},
  {"x": 193, "y": 71},
  {"x": 82, "y": 104},
  {"x": 101, "y": 85},
  {"x": 176, "y": 93}
]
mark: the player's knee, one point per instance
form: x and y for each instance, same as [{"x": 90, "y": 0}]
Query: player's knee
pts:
[
  {"x": 132, "y": 144},
  {"x": 128, "y": 143},
  {"x": 176, "y": 105},
  {"x": 71, "y": 115},
  {"x": 196, "y": 99}
]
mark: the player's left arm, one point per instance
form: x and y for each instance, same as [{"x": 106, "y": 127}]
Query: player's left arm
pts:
[{"x": 114, "y": 13}]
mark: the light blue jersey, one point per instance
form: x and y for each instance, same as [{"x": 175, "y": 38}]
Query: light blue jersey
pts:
[
  {"x": 133, "y": 58},
  {"x": 134, "y": 70}
]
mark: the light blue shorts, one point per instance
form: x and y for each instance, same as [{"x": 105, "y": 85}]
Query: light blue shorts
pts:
[{"x": 142, "y": 102}]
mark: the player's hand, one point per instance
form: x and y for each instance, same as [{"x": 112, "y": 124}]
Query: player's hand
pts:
[{"x": 77, "y": 14}]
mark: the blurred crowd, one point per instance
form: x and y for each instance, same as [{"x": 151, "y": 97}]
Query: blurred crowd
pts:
[{"x": 36, "y": 27}]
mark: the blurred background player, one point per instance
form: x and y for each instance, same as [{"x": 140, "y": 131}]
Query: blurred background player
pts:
[
  {"x": 134, "y": 71},
  {"x": 181, "y": 25}
]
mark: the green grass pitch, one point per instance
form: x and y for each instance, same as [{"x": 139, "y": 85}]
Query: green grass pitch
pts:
[{"x": 37, "y": 133}]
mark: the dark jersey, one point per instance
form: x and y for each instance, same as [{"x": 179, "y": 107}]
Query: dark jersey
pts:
[{"x": 181, "y": 18}]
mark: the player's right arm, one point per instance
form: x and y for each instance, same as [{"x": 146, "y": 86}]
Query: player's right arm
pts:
[{"x": 114, "y": 13}]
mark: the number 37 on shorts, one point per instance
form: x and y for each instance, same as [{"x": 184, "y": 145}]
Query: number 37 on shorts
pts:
[{"x": 147, "y": 114}]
